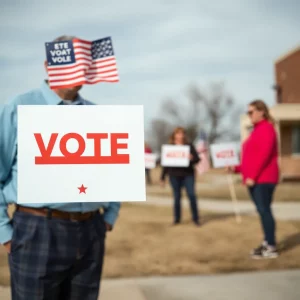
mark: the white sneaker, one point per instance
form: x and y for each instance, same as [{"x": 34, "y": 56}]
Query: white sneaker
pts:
[{"x": 270, "y": 252}]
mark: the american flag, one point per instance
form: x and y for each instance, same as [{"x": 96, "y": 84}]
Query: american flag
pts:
[
  {"x": 78, "y": 62},
  {"x": 201, "y": 146}
]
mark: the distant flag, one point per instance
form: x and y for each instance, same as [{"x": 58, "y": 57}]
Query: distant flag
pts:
[
  {"x": 77, "y": 62},
  {"x": 201, "y": 146}
]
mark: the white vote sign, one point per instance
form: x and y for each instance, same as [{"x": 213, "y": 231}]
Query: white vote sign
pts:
[
  {"x": 224, "y": 155},
  {"x": 80, "y": 153},
  {"x": 150, "y": 160},
  {"x": 175, "y": 155}
]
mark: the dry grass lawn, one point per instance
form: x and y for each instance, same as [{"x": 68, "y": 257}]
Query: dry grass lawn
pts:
[
  {"x": 143, "y": 243},
  {"x": 214, "y": 185}
]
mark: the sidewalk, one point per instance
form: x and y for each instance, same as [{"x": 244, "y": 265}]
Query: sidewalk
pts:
[
  {"x": 239, "y": 286},
  {"x": 282, "y": 210},
  {"x": 274, "y": 285}
]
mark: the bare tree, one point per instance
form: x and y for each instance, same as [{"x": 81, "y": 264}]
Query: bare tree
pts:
[
  {"x": 213, "y": 112},
  {"x": 159, "y": 134}
]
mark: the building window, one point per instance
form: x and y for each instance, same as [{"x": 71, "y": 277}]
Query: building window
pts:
[{"x": 296, "y": 140}]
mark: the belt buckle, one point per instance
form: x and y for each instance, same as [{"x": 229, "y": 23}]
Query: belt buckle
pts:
[{"x": 74, "y": 216}]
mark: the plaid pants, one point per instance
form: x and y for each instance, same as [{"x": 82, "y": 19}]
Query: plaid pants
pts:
[{"x": 53, "y": 259}]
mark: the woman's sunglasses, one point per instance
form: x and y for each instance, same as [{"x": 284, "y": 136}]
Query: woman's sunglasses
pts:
[{"x": 250, "y": 112}]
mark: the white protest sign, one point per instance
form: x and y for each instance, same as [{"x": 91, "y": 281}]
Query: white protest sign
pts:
[
  {"x": 80, "y": 153},
  {"x": 150, "y": 160},
  {"x": 175, "y": 155},
  {"x": 225, "y": 155}
]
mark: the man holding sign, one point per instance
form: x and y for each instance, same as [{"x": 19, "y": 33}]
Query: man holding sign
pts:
[
  {"x": 178, "y": 160},
  {"x": 55, "y": 249}
]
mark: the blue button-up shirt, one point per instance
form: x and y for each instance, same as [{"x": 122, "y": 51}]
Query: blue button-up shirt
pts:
[{"x": 8, "y": 161}]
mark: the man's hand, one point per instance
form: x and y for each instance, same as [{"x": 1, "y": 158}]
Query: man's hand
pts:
[
  {"x": 250, "y": 182},
  {"x": 108, "y": 227},
  {"x": 7, "y": 247},
  {"x": 191, "y": 157}
]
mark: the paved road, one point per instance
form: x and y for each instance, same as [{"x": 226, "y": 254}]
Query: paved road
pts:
[
  {"x": 282, "y": 210},
  {"x": 278, "y": 285},
  {"x": 283, "y": 285}
]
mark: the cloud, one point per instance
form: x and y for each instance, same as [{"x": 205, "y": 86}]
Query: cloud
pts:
[{"x": 57, "y": 14}]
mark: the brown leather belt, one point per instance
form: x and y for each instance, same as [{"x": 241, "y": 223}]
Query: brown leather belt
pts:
[{"x": 58, "y": 214}]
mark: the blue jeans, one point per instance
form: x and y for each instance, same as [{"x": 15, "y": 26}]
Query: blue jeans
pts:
[
  {"x": 262, "y": 196},
  {"x": 177, "y": 182},
  {"x": 53, "y": 259}
]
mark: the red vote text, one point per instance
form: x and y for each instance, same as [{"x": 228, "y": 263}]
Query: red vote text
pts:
[
  {"x": 225, "y": 154},
  {"x": 176, "y": 154},
  {"x": 75, "y": 158}
]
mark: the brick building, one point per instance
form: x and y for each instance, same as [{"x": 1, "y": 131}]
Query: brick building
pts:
[
  {"x": 287, "y": 74},
  {"x": 286, "y": 113}
]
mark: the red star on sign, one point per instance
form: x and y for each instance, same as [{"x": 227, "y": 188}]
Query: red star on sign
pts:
[{"x": 82, "y": 189}]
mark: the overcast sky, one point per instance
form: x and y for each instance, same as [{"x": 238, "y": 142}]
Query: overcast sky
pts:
[{"x": 161, "y": 45}]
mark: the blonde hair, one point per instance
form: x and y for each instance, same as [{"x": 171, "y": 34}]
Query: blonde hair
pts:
[
  {"x": 176, "y": 130},
  {"x": 262, "y": 106}
]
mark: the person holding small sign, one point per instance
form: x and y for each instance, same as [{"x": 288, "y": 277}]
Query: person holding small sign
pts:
[
  {"x": 148, "y": 150},
  {"x": 259, "y": 167},
  {"x": 182, "y": 176},
  {"x": 55, "y": 250}
]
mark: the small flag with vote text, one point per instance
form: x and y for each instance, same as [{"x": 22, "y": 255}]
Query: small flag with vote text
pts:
[{"x": 77, "y": 62}]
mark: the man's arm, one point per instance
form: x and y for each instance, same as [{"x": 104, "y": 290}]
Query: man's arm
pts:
[
  {"x": 8, "y": 129},
  {"x": 111, "y": 213},
  {"x": 5, "y": 226}
]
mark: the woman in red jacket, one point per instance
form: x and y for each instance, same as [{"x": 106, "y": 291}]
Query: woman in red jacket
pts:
[{"x": 259, "y": 168}]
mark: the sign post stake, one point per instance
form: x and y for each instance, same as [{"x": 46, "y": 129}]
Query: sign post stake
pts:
[{"x": 234, "y": 198}]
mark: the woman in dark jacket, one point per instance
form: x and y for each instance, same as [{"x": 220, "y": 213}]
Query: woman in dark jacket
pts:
[{"x": 182, "y": 177}]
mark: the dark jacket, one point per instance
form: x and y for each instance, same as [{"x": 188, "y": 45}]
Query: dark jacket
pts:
[{"x": 182, "y": 171}]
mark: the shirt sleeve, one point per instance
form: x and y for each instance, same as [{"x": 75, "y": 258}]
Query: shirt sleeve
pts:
[
  {"x": 164, "y": 173},
  {"x": 112, "y": 212},
  {"x": 195, "y": 155},
  {"x": 238, "y": 169},
  {"x": 8, "y": 129},
  {"x": 264, "y": 144}
]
